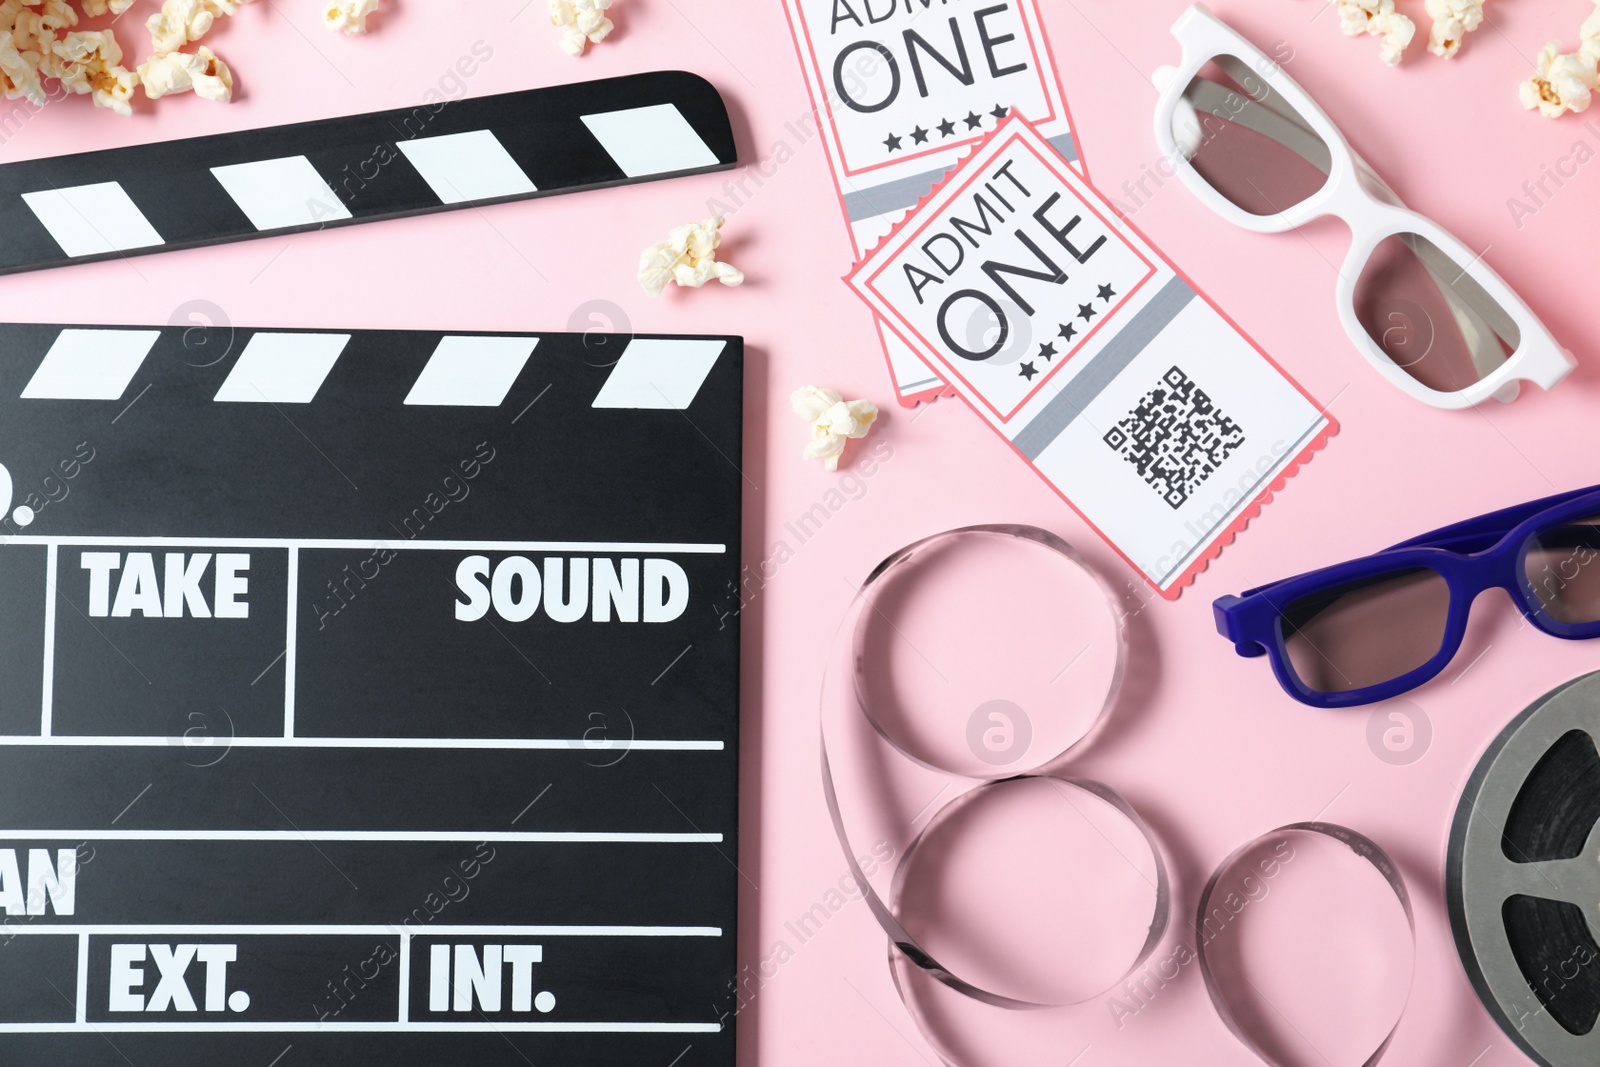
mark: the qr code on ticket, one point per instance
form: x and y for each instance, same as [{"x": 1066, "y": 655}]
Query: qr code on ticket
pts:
[{"x": 1175, "y": 437}]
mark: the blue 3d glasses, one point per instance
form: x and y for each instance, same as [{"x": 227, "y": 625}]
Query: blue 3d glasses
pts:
[{"x": 1376, "y": 627}]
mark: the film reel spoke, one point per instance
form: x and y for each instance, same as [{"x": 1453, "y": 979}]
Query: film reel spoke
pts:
[{"x": 1574, "y": 881}]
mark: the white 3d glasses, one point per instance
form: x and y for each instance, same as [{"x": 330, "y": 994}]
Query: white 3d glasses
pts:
[{"x": 1425, "y": 310}]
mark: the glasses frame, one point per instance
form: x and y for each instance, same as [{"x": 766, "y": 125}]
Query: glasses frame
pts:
[
  {"x": 1488, "y": 552},
  {"x": 1354, "y": 193}
]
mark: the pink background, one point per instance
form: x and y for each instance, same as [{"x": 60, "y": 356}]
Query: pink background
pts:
[{"x": 1206, "y": 746}]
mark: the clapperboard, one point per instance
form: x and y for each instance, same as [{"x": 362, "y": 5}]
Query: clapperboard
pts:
[
  {"x": 365, "y": 698},
  {"x": 443, "y": 156}
]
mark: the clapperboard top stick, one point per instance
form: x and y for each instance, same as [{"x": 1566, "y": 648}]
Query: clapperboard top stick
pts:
[{"x": 336, "y": 172}]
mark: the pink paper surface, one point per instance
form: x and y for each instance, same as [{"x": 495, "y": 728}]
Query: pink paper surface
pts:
[{"x": 1205, "y": 744}]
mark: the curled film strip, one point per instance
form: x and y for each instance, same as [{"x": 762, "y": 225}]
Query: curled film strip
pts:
[
  {"x": 1219, "y": 903},
  {"x": 852, "y": 699}
]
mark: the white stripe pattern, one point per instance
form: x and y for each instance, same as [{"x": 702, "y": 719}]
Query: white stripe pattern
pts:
[
  {"x": 471, "y": 371},
  {"x": 282, "y": 368},
  {"x": 90, "y": 364},
  {"x": 650, "y": 140},
  {"x": 462, "y": 167},
  {"x": 398, "y": 163},
  {"x": 276, "y": 193},
  {"x": 91, "y": 220},
  {"x": 659, "y": 373},
  {"x": 464, "y": 370}
]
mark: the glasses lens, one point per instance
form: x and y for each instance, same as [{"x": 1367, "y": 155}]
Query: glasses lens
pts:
[
  {"x": 1425, "y": 311},
  {"x": 1563, "y": 570},
  {"x": 1368, "y": 631},
  {"x": 1247, "y": 141}
]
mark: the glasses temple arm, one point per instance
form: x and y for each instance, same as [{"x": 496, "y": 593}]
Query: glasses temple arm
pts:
[
  {"x": 1496, "y": 524},
  {"x": 1269, "y": 116}
]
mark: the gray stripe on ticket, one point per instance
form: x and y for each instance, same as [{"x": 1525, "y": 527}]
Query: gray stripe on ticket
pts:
[
  {"x": 905, "y": 192},
  {"x": 1063, "y": 143},
  {"x": 1110, "y": 361}
]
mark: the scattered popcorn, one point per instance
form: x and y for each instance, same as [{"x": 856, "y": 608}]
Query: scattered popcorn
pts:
[
  {"x": 810, "y": 401},
  {"x": 178, "y": 23},
  {"x": 19, "y": 74},
  {"x": 215, "y": 81},
  {"x": 32, "y": 48},
  {"x": 348, "y": 16},
  {"x": 38, "y": 42},
  {"x": 1564, "y": 82},
  {"x": 1589, "y": 34},
  {"x": 1378, "y": 18},
  {"x": 687, "y": 257},
  {"x": 582, "y": 22},
  {"x": 179, "y": 72},
  {"x": 833, "y": 420},
  {"x": 169, "y": 71},
  {"x": 91, "y": 62},
  {"x": 37, "y": 31},
  {"x": 1452, "y": 20}
]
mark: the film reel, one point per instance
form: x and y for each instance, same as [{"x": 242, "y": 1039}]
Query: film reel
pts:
[{"x": 1522, "y": 877}]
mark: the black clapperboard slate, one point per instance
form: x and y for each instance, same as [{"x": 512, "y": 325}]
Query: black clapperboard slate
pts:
[
  {"x": 365, "y": 698},
  {"x": 337, "y": 172}
]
